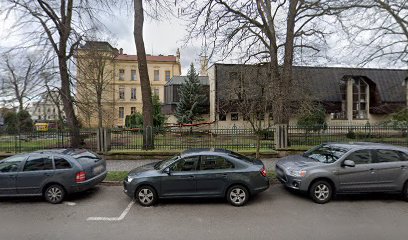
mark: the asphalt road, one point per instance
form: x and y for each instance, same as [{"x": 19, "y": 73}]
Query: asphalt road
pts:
[{"x": 274, "y": 214}]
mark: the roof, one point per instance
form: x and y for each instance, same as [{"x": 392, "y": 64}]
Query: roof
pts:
[
  {"x": 366, "y": 145},
  {"x": 194, "y": 151},
  {"x": 100, "y": 45},
  {"x": 126, "y": 57},
  {"x": 324, "y": 82},
  {"x": 178, "y": 80}
]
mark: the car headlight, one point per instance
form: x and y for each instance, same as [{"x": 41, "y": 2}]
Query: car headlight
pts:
[
  {"x": 129, "y": 179},
  {"x": 298, "y": 173}
]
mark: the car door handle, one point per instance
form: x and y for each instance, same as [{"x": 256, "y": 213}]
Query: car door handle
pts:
[
  {"x": 47, "y": 174},
  {"x": 187, "y": 177},
  {"x": 372, "y": 170},
  {"x": 224, "y": 175},
  {"x": 403, "y": 167}
]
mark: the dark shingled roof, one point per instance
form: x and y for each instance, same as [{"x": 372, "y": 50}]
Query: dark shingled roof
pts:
[
  {"x": 178, "y": 80},
  {"x": 100, "y": 45},
  {"x": 324, "y": 82}
]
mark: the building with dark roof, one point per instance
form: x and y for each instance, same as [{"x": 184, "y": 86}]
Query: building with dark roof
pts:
[
  {"x": 171, "y": 95},
  {"x": 349, "y": 95}
]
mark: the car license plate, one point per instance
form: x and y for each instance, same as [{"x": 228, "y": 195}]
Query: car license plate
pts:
[{"x": 98, "y": 169}]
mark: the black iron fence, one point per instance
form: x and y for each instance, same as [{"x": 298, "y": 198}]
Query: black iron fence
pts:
[
  {"x": 37, "y": 140},
  {"x": 184, "y": 138},
  {"x": 298, "y": 137}
]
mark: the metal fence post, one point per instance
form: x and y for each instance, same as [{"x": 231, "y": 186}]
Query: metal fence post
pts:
[{"x": 281, "y": 136}]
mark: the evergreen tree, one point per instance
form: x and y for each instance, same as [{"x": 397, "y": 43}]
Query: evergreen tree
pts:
[
  {"x": 136, "y": 120},
  {"x": 192, "y": 98}
]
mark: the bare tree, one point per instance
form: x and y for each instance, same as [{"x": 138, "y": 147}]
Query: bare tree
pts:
[
  {"x": 21, "y": 76},
  {"x": 94, "y": 84},
  {"x": 263, "y": 31},
  {"x": 61, "y": 25},
  {"x": 378, "y": 29},
  {"x": 247, "y": 93}
]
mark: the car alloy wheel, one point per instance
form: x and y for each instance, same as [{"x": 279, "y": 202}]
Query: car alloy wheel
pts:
[
  {"x": 321, "y": 192},
  {"x": 146, "y": 196},
  {"x": 238, "y": 195},
  {"x": 54, "y": 194}
]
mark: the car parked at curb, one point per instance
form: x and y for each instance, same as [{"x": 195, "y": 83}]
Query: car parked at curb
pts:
[
  {"x": 337, "y": 168},
  {"x": 198, "y": 173},
  {"x": 51, "y": 173}
]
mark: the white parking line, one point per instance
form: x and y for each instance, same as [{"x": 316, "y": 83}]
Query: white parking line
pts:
[{"x": 120, "y": 218}]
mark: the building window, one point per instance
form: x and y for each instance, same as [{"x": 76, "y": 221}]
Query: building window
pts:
[
  {"x": 39, "y": 110},
  {"x": 260, "y": 116},
  {"x": 234, "y": 116},
  {"x": 133, "y": 75},
  {"x": 156, "y": 91},
  {"x": 156, "y": 75},
  {"x": 360, "y": 99},
  {"x": 121, "y": 93},
  {"x": 121, "y": 74},
  {"x": 48, "y": 109},
  {"x": 132, "y": 110},
  {"x": 121, "y": 112},
  {"x": 222, "y": 117},
  {"x": 133, "y": 93},
  {"x": 167, "y": 75}
]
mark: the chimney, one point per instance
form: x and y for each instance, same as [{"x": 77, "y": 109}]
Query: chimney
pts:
[
  {"x": 203, "y": 66},
  {"x": 178, "y": 55},
  {"x": 121, "y": 51}
]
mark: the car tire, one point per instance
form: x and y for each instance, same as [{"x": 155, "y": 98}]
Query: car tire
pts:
[
  {"x": 237, "y": 195},
  {"x": 146, "y": 196},
  {"x": 321, "y": 192},
  {"x": 405, "y": 192},
  {"x": 54, "y": 194}
]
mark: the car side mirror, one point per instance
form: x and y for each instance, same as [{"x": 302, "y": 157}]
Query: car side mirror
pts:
[
  {"x": 349, "y": 163},
  {"x": 167, "y": 171}
]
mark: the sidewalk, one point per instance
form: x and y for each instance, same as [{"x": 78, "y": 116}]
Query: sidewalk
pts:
[{"x": 127, "y": 165}]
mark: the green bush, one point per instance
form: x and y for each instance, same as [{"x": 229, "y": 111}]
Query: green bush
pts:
[{"x": 314, "y": 120}]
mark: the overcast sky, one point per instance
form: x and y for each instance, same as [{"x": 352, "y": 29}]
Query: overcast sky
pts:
[{"x": 161, "y": 37}]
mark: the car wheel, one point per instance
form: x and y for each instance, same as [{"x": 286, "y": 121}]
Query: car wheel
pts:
[
  {"x": 321, "y": 192},
  {"x": 146, "y": 196},
  {"x": 237, "y": 195},
  {"x": 54, "y": 194},
  {"x": 405, "y": 192}
]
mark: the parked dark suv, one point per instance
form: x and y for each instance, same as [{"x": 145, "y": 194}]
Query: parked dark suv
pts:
[
  {"x": 198, "y": 173},
  {"x": 51, "y": 173},
  {"x": 346, "y": 168}
]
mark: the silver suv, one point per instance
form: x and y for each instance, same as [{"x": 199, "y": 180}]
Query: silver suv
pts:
[{"x": 346, "y": 168}]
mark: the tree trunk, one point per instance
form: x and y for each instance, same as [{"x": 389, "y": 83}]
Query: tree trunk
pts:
[
  {"x": 66, "y": 97},
  {"x": 142, "y": 64},
  {"x": 258, "y": 145},
  {"x": 100, "y": 112}
]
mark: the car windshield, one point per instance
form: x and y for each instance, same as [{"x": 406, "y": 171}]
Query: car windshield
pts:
[
  {"x": 326, "y": 153},
  {"x": 165, "y": 163}
]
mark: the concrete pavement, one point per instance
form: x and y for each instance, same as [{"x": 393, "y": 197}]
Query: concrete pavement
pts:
[
  {"x": 274, "y": 214},
  {"x": 127, "y": 165}
]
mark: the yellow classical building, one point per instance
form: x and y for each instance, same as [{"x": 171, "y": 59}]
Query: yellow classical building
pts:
[{"x": 115, "y": 76}]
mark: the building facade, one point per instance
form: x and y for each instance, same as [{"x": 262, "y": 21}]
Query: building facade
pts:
[
  {"x": 47, "y": 108},
  {"x": 349, "y": 95},
  {"x": 122, "y": 90}
]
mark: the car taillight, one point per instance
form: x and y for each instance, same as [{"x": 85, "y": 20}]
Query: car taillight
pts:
[
  {"x": 80, "y": 177},
  {"x": 263, "y": 171}
]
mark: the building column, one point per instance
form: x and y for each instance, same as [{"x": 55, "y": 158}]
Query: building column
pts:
[{"x": 350, "y": 99}]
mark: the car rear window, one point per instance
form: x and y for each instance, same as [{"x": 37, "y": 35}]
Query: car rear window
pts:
[{"x": 61, "y": 163}]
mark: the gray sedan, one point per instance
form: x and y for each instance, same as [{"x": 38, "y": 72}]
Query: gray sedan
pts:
[
  {"x": 51, "y": 173},
  {"x": 198, "y": 173},
  {"x": 334, "y": 168}
]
